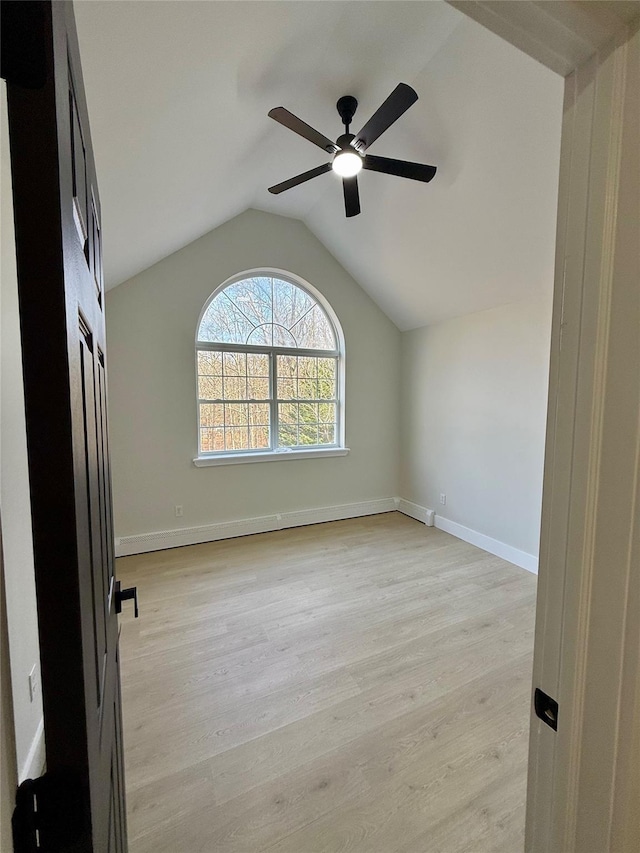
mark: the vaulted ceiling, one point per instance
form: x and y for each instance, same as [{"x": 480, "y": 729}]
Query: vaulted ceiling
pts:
[{"x": 178, "y": 95}]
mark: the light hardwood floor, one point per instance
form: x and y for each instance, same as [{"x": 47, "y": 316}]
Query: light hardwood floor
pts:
[{"x": 360, "y": 686}]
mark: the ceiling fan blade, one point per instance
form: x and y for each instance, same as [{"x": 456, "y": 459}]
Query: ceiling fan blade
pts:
[
  {"x": 284, "y": 117},
  {"x": 401, "y": 168},
  {"x": 300, "y": 179},
  {"x": 396, "y": 104},
  {"x": 351, "y": 196}
]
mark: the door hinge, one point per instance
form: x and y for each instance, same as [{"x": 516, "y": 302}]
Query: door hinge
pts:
[
  {"x": 49, "y": 814},
  {"x": 546, "y": 708}
]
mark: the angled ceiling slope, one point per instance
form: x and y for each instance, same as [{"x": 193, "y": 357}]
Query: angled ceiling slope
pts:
[{"x": 178, "y": 96}]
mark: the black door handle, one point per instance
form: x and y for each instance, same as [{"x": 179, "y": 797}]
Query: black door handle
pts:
[{"x": 126, "y": 595}]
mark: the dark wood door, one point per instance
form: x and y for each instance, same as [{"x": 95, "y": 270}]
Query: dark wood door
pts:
[{"x": 59, "y": 256}]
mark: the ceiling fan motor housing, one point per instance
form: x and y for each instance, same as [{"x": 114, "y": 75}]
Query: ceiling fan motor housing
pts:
[
  {"x": 344, "y": 142},
  {"x": 347, "y": 106}
]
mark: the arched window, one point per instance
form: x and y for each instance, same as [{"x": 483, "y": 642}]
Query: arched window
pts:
[{"x": 268, "y": 369}]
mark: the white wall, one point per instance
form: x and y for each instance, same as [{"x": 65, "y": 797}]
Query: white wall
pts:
[
  {"x": 474, "y": 397},
  {"x": 151, "y": 322},
  {"x": 14, "y": 494},
  {"x": 8, "y": 769}
]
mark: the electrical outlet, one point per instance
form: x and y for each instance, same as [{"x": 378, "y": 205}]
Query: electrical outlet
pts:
[
  {"x": 178, "y": 511},
  {"x": 33, "y": 683},
  {"x": 443, "y": 499}
]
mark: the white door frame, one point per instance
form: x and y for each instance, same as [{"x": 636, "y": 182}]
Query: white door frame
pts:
[{"x": 584, "y": 779}]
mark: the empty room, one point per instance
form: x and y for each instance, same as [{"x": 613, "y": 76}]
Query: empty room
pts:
[{"x": 316, "y": 426}]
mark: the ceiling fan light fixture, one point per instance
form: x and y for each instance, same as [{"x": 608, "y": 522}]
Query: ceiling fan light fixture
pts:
[{"x": 347, "y": 164}]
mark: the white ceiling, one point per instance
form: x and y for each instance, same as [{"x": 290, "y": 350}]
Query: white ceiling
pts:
[
  {"x": 561, "y": 34},
  {"x": 178, "y": 95}
]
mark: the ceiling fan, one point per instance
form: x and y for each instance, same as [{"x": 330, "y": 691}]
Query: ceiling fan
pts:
[{"x": 349, "y": 150}]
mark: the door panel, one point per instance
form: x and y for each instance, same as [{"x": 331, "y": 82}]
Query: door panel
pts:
[
  {"x": 59, "y": 255},
  {"x": 91, "y": 476},
  {"x": 78, "y": 167}
]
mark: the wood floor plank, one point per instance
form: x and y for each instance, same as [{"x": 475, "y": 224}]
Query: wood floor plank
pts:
[
  {"x": 203, "y": 735},
  {"x": 359, "y": 685},
  {"x": 425, "y": 764}
]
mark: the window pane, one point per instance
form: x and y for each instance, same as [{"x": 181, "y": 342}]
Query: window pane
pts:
[
  {"x": 235, "y": 388},
  {"x": 209, "y": 363},
  {"x": 286, "y": 389},
  {"x": 308, "y": 434},
  {"x": 211, "y": 415},
  {"x": 211, "y": 440},
  {"x": 326, "y": 389},
  {"x": 289, "y": 303},
  {"x": 259, "y": 437},
  {"x": 259, "y": 414},
  {"x": 307, "y": 389},
  {"x": 288, "y": 413},
  {"x": 236, "y": 414},
  {"x": 235, "y": 364},
  {"x": 287, "y": 366},
  {"x": 327, "y": 413},
  {"x": 282, "y": 337},
  {"x": 287, "y": 435},
  {"x": 257, "y": 364},
  {"x": 223, "y": 323},
  {"x": 258, "y": 389},
  {"x": 326, "y": 368},
  {"x": 209, "y": 387},
  {"x": 271, "y": 334},
  {"x": 261, "y": 336},
  {"x": 313, "y": 330},
  {"x": 326, "y": 434},
  {"x": 253, "y": 298},
  {"x": 307, "y": 367},
  {"x": 308, "y": 413},
  {"x": 236, "y": 438}
]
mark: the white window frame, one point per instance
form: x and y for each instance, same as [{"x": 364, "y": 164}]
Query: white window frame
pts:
[{"x": 275, "y": 453}]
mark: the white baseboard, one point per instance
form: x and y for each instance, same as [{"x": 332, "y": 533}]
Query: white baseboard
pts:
[
  {"x": 34, "y": 762},
  {"x": 420, "y": 513},
  {"x": 163, "y": 539},
  {"x": 493, "y": 546},
  {"x": 160, "y": 540}
]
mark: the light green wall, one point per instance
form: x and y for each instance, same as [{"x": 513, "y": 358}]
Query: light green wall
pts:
[
  {"x": 474, "y": 403},
  {"x": 151, "y": 322},
  {"x": 458, "y": 407}
]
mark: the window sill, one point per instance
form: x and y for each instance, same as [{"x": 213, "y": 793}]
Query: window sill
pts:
[{"x": 271, "y": 456}]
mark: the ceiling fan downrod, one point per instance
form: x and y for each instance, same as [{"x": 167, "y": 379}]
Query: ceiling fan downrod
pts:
[{"x": 347, "y": 106}]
